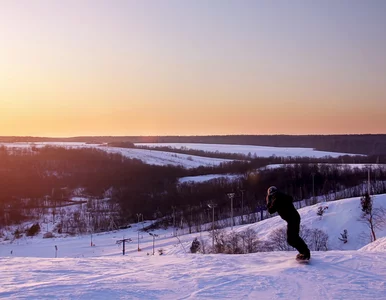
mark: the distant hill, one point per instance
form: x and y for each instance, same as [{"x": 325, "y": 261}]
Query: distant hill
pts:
[{"x": 368, "y": 144}]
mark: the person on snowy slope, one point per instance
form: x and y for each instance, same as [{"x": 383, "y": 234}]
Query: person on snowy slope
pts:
[{"x": 282, "y": 204}]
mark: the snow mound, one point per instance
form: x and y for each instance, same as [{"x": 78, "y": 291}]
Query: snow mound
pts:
[{"x": 378, "y": 245}]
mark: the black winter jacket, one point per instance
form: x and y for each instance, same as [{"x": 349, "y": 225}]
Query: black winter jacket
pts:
[{"x": 282, "y": 204}]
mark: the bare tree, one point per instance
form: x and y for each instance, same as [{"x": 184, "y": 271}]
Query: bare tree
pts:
[
  {"x": 278, "y": 238},
  {"x": 203, "y": 245},
  {"x": 316, "y": 239},
  {"x": 374, "y": 218},
  {"x": 219, "y": 240},
  {"x": 233, "y": 243},
  {"x": 251, "y": 243},
  {"x": 236, "y": 242}
]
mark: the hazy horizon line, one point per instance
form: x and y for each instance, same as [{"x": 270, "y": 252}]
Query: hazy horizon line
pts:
[{"x": 190, "y": 135}]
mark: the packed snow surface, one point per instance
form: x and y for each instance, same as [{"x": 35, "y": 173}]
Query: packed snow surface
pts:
[
  {"x": 330, "y": 275},
  {"x": 70, "y": 268}
]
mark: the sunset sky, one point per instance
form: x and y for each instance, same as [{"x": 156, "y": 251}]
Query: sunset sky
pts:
[{"x": 92, "y": 67}]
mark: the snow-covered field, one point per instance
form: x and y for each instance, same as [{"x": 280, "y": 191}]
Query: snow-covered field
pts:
[
  {"x": 260, "y": 151},
  {"x": 203, "y": 178},
  {"x": 163, "y": 158},
  {"x": 29, "y": 269},
  {"x": 152, "y": 157}
]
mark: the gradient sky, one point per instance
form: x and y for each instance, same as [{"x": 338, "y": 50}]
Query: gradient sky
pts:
[{"x": 91, "y": 67}]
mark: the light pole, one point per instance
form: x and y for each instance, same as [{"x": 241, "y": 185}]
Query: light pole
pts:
[
  {"x": 313, "y": 187},
  {"x": 138, "y": 216},
  {"x": 242, "y": 206},
  {"x": 154, "y": 236},
  {"x": 174, "y": 221},
  {"x": 138, "y": 242},
  {"x": 212, "y": 205},
  {"x": 231, "y": 196},
  {"x": 368, "y": 179}
]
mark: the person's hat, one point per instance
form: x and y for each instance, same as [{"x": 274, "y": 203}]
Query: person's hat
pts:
[{"x": 272, "y": 190}]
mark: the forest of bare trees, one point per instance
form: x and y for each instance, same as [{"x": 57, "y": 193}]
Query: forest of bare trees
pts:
[{"x": 35, "y": 181}]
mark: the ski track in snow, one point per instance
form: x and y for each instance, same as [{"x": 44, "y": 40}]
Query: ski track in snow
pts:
[{"x": 275, "y": 275}]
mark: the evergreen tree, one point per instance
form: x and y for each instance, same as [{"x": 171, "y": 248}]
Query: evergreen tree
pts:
[
  {"x": 196, "y": 245},
  {"x": 344, "y": 236},
  {"x": 367, "y": 204}
]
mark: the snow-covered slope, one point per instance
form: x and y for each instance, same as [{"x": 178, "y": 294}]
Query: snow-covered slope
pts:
[
  {"x": 330, "y": 275},
  {"x": 378, "y": 245},
  {"x": 29, "y": 268},
  {"x": 340, "y": 215}
]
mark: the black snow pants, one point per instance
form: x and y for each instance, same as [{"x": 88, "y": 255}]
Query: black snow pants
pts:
[{"x": 293, "y": 238}]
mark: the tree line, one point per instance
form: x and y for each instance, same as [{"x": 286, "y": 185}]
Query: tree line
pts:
[{"x": 368, "y": 144}]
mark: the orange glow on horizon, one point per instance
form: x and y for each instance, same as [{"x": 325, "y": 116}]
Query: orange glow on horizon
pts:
[{"x": 81, "y": 68}]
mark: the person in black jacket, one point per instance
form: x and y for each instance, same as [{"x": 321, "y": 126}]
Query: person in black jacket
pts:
[{"x": 282, "y": 204}]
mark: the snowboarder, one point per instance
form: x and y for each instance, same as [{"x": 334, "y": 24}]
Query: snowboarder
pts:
[{"x": 282, "y": 204}]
